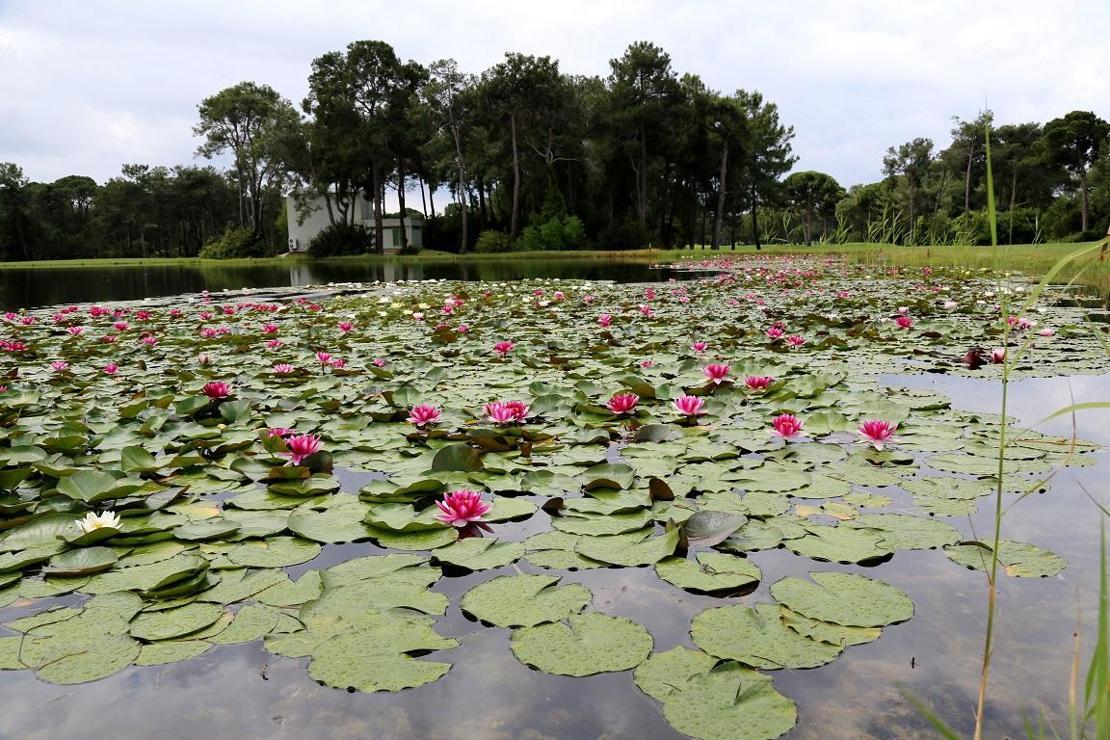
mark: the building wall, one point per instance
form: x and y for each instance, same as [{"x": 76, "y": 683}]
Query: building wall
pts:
[{"x": 314, "y": 219}]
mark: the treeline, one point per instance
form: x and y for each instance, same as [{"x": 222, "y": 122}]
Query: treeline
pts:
[
  {"x": 532, "y": 158},
  {"x": 1051, "y": 183}
]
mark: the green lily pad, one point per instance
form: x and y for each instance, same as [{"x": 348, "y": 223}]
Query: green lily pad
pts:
[
  {"x": 583, "y": 645},
  {"x": 630, "y": 549},
  {"x": 477, "y": 553},
  {"x": 171, "y": 623},
  {"x": 757, "y": 637},
  {"x": 524, "y": 600},
  {"x": 845, "y": 599},
  {"x": 713, "y": 572},
  {"x": 729, "y": 702}
]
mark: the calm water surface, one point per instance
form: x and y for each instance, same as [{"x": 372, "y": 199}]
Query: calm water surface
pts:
[
  {"x": 46, "y": 287},
  {"x": 243, "y": 691}
]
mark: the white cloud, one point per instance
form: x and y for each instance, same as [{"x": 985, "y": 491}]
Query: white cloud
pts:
[{"x": 88, "y": 86}]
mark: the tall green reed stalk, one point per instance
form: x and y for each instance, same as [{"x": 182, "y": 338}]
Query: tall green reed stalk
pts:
[{"x": 1007, "y": 365}]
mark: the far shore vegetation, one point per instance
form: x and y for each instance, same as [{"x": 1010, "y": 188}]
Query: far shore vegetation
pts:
[{"x": 524, "y": 157}]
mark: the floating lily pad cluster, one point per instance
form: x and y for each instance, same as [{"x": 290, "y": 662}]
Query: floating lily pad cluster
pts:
[{"x": 175, "y": 424}]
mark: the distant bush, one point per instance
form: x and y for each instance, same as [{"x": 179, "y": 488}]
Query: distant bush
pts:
[
  {"x": 491, "y": 241},
  {"x": 341, "y": 238},
  {"x": 628, "y": 234},
  {"x": 236, "y": 243},
  {"x": 559, "y": 232}
]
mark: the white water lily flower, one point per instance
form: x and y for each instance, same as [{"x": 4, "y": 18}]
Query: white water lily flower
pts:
[{"x": 93, "y": 521}]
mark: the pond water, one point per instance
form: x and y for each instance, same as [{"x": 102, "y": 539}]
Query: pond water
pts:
[
  {"x": 31, "y": 288},
  {"x": 244, "y": 691},
  {"x": 237, "y": 691}
]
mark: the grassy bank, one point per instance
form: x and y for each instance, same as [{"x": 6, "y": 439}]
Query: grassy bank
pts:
[{"x": 1032, "y": 259}]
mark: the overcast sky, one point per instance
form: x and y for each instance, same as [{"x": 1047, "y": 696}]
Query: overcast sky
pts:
[{"x": 86, "y": 86}]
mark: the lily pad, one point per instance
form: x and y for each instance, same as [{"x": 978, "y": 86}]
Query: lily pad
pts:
[
  {"x": 524, "y": 600},
  {"x": 583, "y": 645}
]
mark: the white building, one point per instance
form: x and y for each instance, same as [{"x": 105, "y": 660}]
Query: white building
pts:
[{"x": 307, "y": 222}]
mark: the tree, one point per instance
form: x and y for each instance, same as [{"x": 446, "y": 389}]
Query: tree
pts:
[
  {"x": 15, "y": 222},
  {"x": 730, "y": 128},
  {"x": 812, "y": 193},
  {"x": 522, "y": 89},
  {"x": 911, "y": 162},
  {"x": 1074, "y": 142},
  {"x": 252, "y": 121},
  {"x": 966, "y": 152},
  {"x": 644, "y": 89},
  {"x": 449, "y": 94},
  {"x": 768, "y": 154}
]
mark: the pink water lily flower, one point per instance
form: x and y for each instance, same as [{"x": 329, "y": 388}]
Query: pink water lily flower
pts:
[
  {"x": 794, "y": 340},
  {"x": 270, "y": 328},
  {"x": 346, "y": 326},
  {"x": 786, "y": 426},
  {"x": 279, "y": 432},
  {"x": 506, "y": 412},
  {"x": 647, "y": 363},
  {"x": 503, "y": 348},
  {"x": 111, "y": 368},
  {"x": 903, "y": 322},
  {"x": 423, "y": 414},
  {"x": 149, "y": 340},
  {"x": 998, "y": 355},
  {"x": 689, "y": 405},
  {"x": 378, "y": 362},
  {"x": 204, "y": 360},
  {"x": 699, "y": 346},
  {"x": 647, "y": 311},
  {"x": 284, "y": 368},
  {"x": 462, "y": 329},
  {"x": 301, "y": 446},
  {"x": 758, "y": 382},
  {"x": 76, "y": 330},
  {"x": 623, "y": 403},
  {"x": 716, "y": 372},
  {"x": 1047, "y": 332},
  {"x": 877, "y": 432},
  {"x": 120, "y": 326},
  {"x": 59, "y": 366},
  {"x": 323, "y": 358},
  {"x": 604, "y": 320},
  {"x": 274, "y": 343},
  {"x": 216, "y": 389},
  {"x": 462, "y": 507},
  {"x": 775, "y": 332}
]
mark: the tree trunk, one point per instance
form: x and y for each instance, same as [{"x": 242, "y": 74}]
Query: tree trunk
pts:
[
  {"x": 379, "y": 237},
  {"x": 483, "y": 214},
  {"x": 807, "y": 224},
  {"x": 514, "y": 219},
  {"x": 432, "y": 199},
  {"x": 643, "y": 176},
  {"x": 913, "y": 217},
  {"x": 1086, "y": 195},
  {"x": 755, "y": 221},
  {"x": 721, "y": 191},
  {"x": 401, "y": 203},
  {"x": 423, "y": 201},
  {"x": 463, "y": 205}
]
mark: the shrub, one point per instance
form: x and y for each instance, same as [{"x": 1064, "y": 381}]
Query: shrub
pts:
[
  {"x": 630, "y": 234},
  {"x": 559, "y": 232},
  {"x": 491, "y": 241},
  {"x": 342, "y": 238},
  {"x": 235, "y": 243}
]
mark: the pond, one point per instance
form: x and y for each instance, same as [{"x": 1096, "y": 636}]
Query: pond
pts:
[
  {"x": 32, "y": 288},
  {"x": 821, "y": 501}
]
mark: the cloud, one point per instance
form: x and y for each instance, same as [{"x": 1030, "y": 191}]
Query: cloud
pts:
[{"x": 87, "y": 87}]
